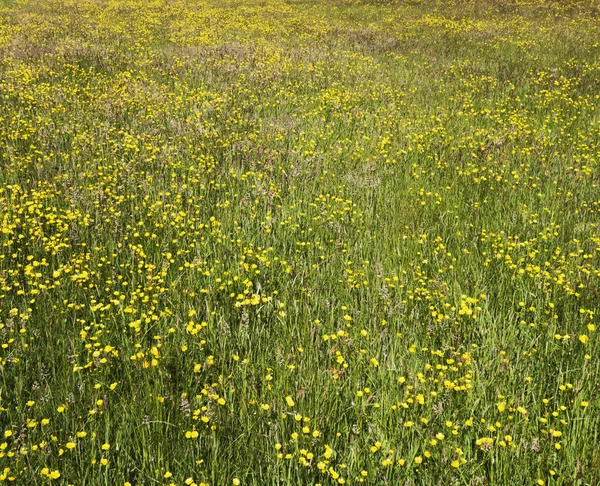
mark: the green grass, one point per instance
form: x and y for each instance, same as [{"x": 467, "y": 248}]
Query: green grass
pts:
[{"x": 299, "y": 242}]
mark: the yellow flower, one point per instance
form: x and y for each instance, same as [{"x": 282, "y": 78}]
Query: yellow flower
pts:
[{"x": 289, "y": 401}]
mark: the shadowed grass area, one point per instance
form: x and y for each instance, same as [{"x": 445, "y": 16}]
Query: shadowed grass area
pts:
[{"x": 299, "y": 242}]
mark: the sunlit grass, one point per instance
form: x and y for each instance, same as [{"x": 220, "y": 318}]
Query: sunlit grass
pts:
[{"x": 302, "y": 242}]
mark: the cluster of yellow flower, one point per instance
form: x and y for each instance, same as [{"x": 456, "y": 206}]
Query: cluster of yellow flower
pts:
[{"x": 318, "y": 242}]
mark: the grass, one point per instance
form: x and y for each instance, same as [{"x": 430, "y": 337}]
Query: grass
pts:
[{"x": 299, "y": 242}]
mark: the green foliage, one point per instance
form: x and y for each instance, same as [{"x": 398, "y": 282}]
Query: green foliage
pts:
[{"x": 304, "y": 242}]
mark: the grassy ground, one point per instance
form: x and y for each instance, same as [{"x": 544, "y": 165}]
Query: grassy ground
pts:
[{"x": 299, "y": 242}]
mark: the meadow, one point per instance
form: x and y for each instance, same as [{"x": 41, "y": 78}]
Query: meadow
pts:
[{"x": 299, "y": 242}]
